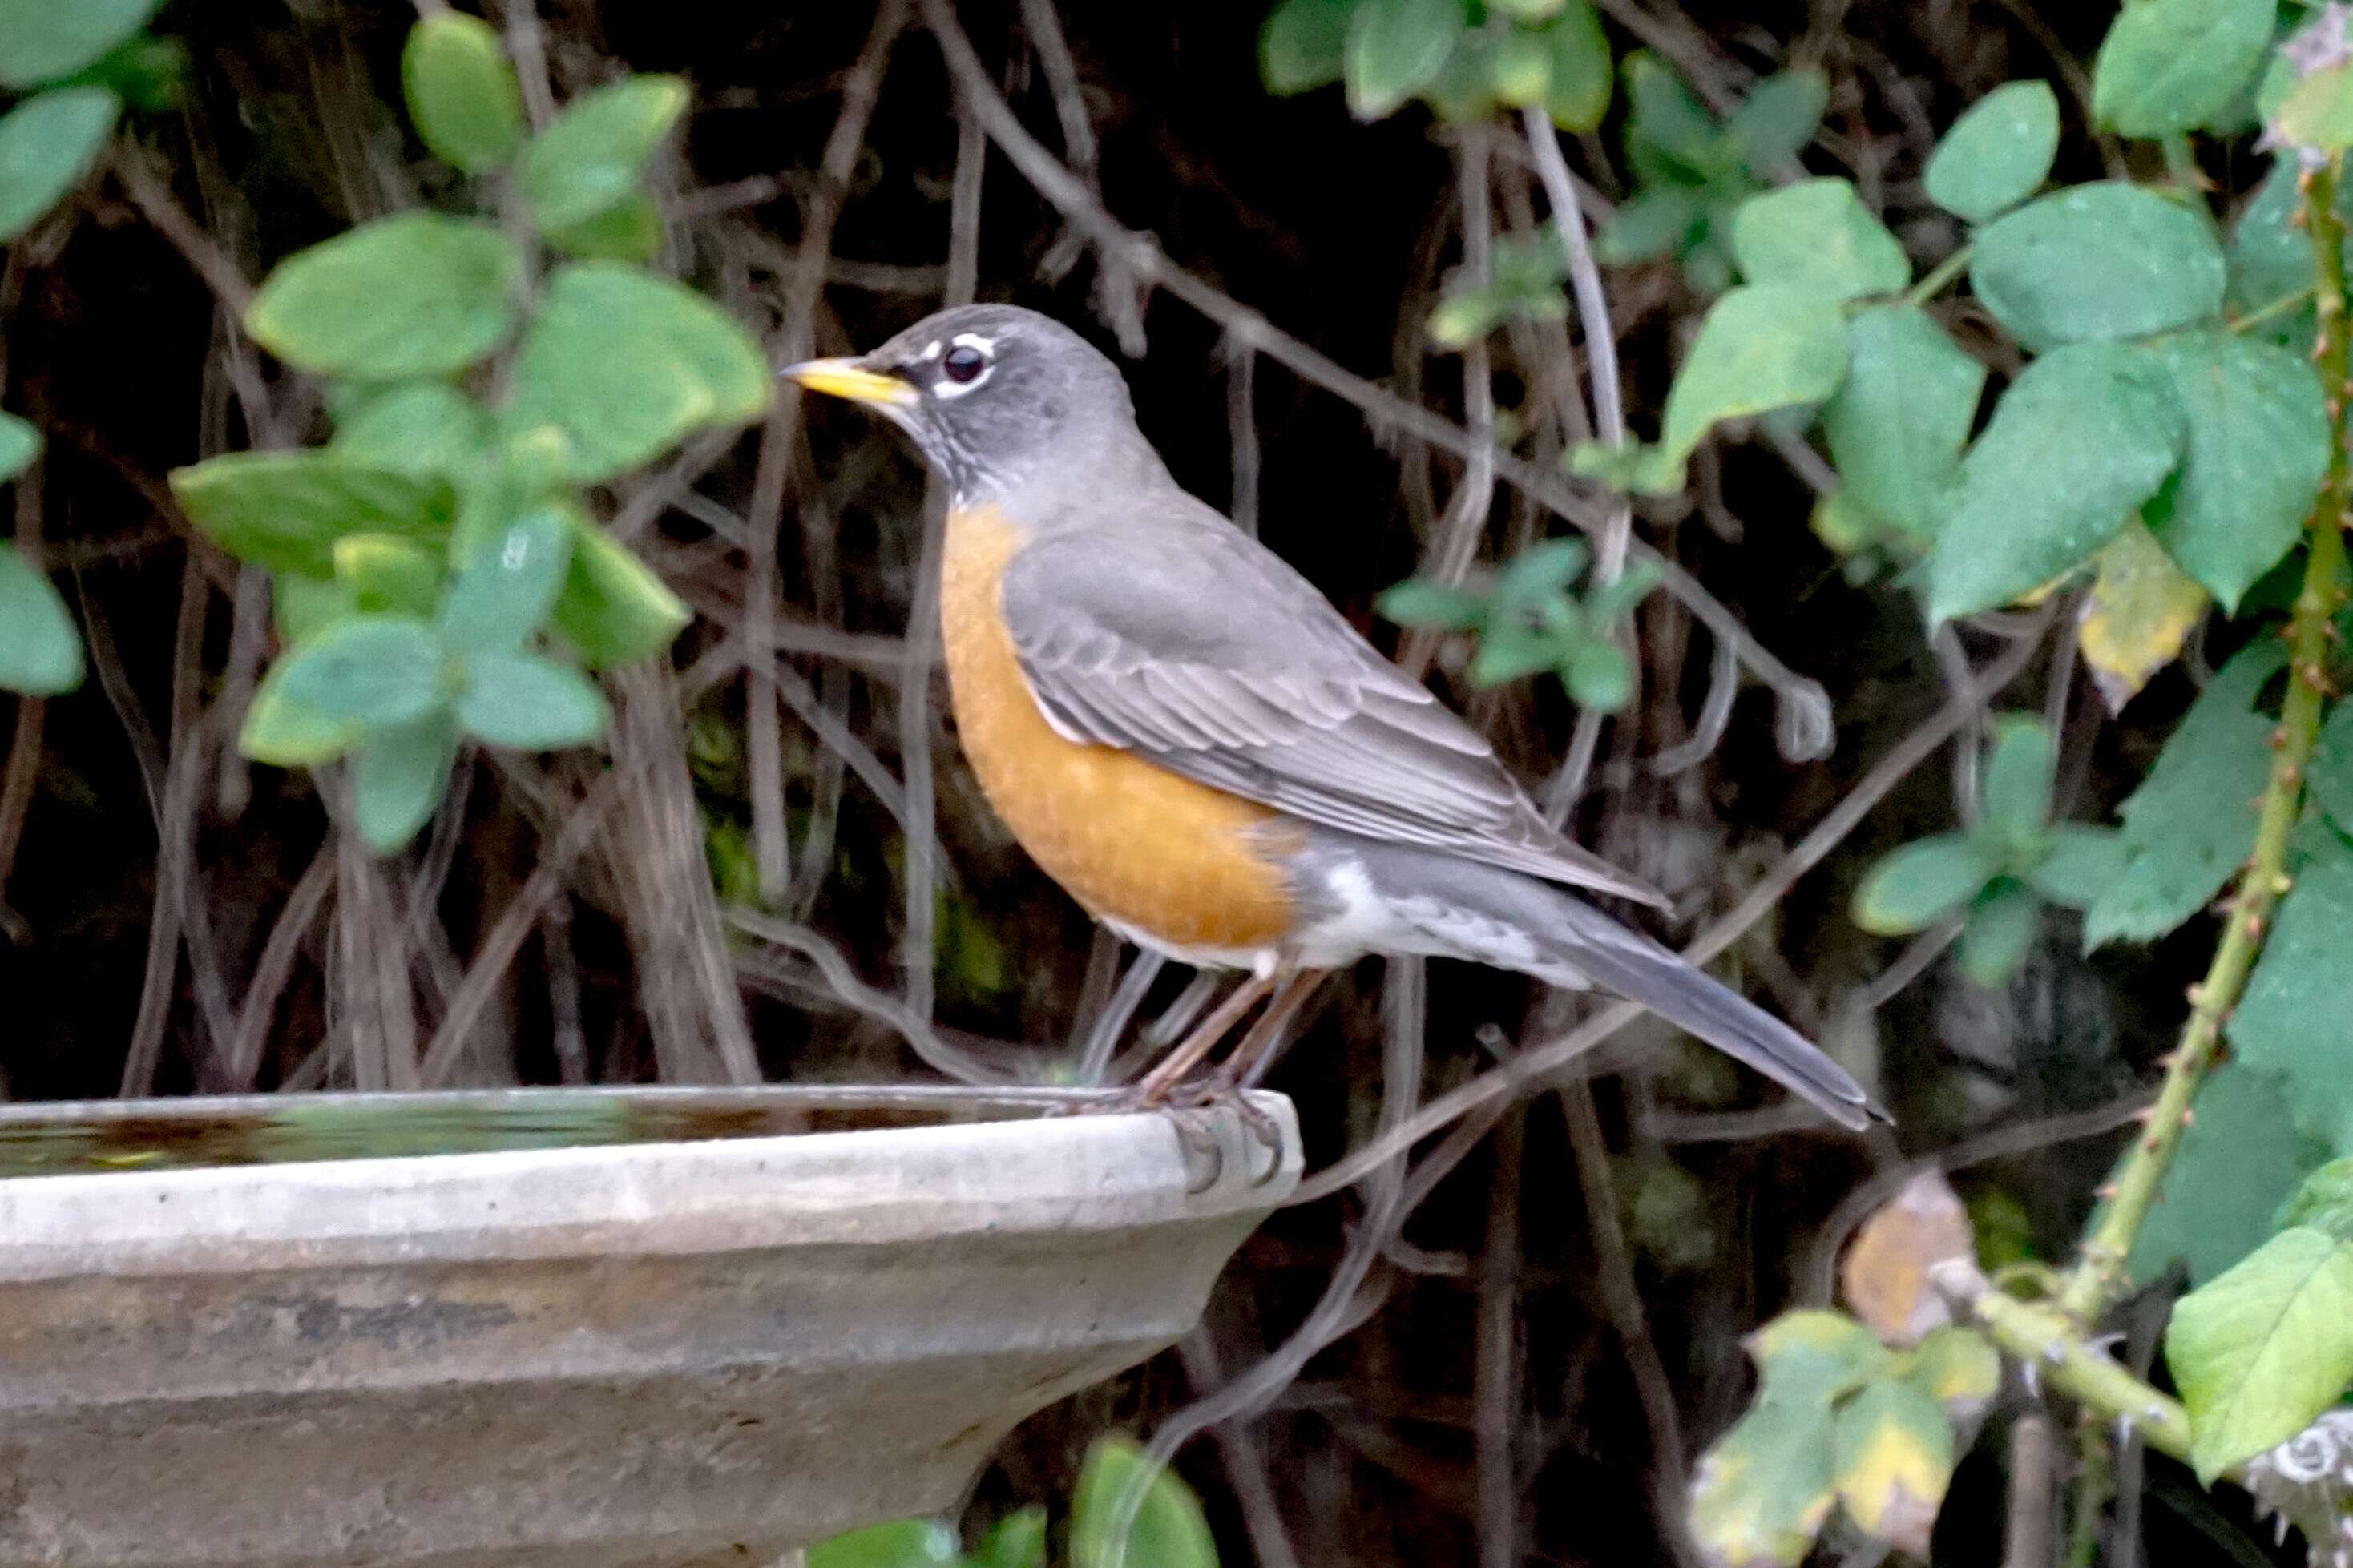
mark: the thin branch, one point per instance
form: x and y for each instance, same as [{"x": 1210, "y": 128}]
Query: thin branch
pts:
[
  {"x": 1609, "y": 420},
  {"x": 1495, "y": 1372},
  {"x": 804, "y": 285},
  {"x": 149, "y": 193},
  {"x": 1622, "y": 1297},
  {"x": 242, "y": 1060}
]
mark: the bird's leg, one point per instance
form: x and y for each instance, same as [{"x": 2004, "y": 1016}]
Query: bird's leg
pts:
[
  {"x": 1155, "y": 1086},
  {"x": 1241, "y": 1065}
]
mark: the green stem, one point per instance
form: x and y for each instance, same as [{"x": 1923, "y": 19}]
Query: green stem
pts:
[
  {"x": 1944, "y": 271},
  {"x": 2099, "y": 1271},
  {"x": 2047, "y": 1340},
  {"x": 2264, "y": 312}
]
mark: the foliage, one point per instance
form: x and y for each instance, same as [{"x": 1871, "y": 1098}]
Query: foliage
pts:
[
  {"x": 1527, "y": 620},
  {"x": 439, "y": 579},
  {"x": 72, "y": 67},
  {"x": 1169, "y": 1532},
  {"x": 1841, "y": 1424},
  {"x": 1998, "y": 875},
  {"x": 1521, "y": 54}
]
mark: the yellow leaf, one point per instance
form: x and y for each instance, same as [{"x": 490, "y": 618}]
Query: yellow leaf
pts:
[
  {"x": 1959, "y": 1369},
  {"x": 1762, "y": 1491},
  {"x": 2142, "y": 607},
  {"x": 1885, "y": 1275},
  {"x": 1893, "y": 1457}
]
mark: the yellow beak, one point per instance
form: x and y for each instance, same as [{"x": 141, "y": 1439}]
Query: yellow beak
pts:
[{"x": 848, "y": 378}]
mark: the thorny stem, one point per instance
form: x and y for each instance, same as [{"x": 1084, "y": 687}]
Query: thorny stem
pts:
[
  {"x": 2098, "y": 1273},
  {"x": 2051, "y": 1344}
]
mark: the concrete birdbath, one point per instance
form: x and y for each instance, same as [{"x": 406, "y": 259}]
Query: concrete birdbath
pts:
[{"x": 676, "y": 1327}]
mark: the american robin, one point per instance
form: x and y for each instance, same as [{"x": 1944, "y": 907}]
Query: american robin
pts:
[{"x": 1195, "y": 744}]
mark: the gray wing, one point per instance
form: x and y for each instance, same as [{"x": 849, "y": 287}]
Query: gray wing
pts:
[{"x": 1190, "y": 643}]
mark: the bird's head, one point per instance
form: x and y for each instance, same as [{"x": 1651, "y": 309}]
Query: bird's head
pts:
[{"x": 987, "y": 392}]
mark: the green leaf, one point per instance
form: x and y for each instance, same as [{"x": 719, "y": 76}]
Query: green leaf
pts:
[
  {"x": 613, "y": 608},
  {"x": 1668, "y": 122},
  {"x": 2000, "y": 930},
  {"x": 286, "y": 510},
  {"x": 2291, "y": 1020},
  {"x": 47, "y": 144},
  {"x": 1169, "y": 1532},
  {"x": 1915, "y": 887},
  {"x": 2238, "y": 1162},
  {"x": 1016, "y": 1541},
  {"x": 1396, "y": 47},
  {"x": 2016, "y": 787},
  {"x": 2082, "y": 864},
  {"x": 383, "y": 573},
  {"x": 1892, "y": 1454},
  {"x": 41, "y": 40},
  {"x": 426, "y": 429},
  {"x": 40, "y": 652},
  {"x": 626, "y": 364},
  {"x": 1818, "y": 235},
  {"x": 1997, "y": 154},
  {"x": 412, "y": 295},
  {"x": 2323, "y": 1203},
  {"x": 502, "y": 597},
  {"x": 1576, "y": 91},
  {"x": 591, "y": 157},
  {"x": 2097, "y": 262},
  {"x": 1540, "y": 574},
  {"x": 1427, "y": 602},
  {"x": 2330, "y": 777},
  {"x": 372, "y": 670},
  {"x": 1609, "y": 603},
  {"x": 1780, "y": 115},
  {"x": 528, "y": 703},
  {"x": 1766, "y": 1487},
  {"x": 462, "y": 94},
  {"x": 2083, "y": 437},
  {"x": 399, "y": 777},
  {"x": 1600, "y": 676},
  {"x": 904, "y": 1543},
  {"x": 629, "y": 230},
  {"x": 2191, "y": 824},
  {"x": 1658, "y": 222},
  {"x": 1764, "y": 346},
  {"x": 2260, "y": 1351},
  {"x": 2258, "y": 449},
  {"x": 20, "y": 443},
  {"x": 145, "y": 72},
  {"x": 1898, "y": 424},
  {"x": 304, "y": 606},
  {"x": 1303, "y": 45},
  {"x": 2169, "y": 66},
  {"x": 1519, "y": 67},
  {"x": 287, "y": 734}
]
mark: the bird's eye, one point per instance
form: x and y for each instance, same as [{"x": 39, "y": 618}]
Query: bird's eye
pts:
[{"x": 964, "y": 364}]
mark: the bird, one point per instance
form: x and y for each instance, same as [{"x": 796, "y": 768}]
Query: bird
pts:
[{"x": 1188, "y": 737}]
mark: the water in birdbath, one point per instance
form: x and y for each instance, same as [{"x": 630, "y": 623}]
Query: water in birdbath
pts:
[{"x": 87, "y": 1137}]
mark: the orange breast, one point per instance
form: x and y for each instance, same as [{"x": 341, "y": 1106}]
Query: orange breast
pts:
[{"x": 1191, "y": 866}]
